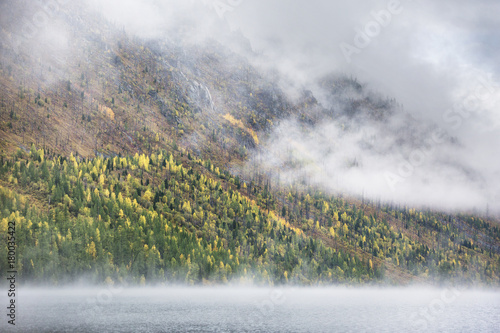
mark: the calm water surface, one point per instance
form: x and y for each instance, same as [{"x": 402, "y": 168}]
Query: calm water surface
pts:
[{"x": 254, "y": 310}]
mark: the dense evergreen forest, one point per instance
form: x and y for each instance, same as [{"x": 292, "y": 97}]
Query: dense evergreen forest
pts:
[{"x": 169, "y": 217}]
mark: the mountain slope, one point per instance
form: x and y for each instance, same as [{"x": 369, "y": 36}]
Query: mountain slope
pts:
[
  {"x": 162, "y": 218},
  {"x": 128, "y": 160}
]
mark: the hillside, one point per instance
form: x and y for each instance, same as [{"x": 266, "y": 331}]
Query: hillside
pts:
[
  {"x": 135, "y": 160},
  {"x": 171, "y": 217}
]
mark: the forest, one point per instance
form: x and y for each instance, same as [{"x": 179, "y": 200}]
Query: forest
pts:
[
  {"x": 129, "y": 161},
  {"x": 169, "y": 217}
]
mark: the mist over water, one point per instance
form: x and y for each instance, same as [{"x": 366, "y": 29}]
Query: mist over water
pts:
[{"x": 235, "y": 309}]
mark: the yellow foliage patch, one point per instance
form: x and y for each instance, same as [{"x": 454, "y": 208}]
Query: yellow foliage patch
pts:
[
  {"x": 239, "y": 123},
  {"x": 284, "y": 222},
  {"x": 107, "y": 111}
]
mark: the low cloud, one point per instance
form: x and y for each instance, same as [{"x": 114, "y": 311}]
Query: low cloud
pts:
[{"x": 438, "y": 60}]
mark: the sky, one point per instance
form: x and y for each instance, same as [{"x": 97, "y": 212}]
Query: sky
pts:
[
  {"x": 424, "y": 54},
  {"x": 437, "y": 59}
]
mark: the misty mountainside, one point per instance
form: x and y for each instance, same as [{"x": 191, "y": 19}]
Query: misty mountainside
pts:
[{"x": 140, "y": 159}]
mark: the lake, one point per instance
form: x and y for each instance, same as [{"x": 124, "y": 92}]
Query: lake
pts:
[{"x": 251, "y": 309}]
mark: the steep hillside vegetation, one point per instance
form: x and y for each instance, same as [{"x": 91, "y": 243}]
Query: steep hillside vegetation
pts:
[
  {"x": 122, "y": 160},
  {"x": 170, "y": 217}
]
